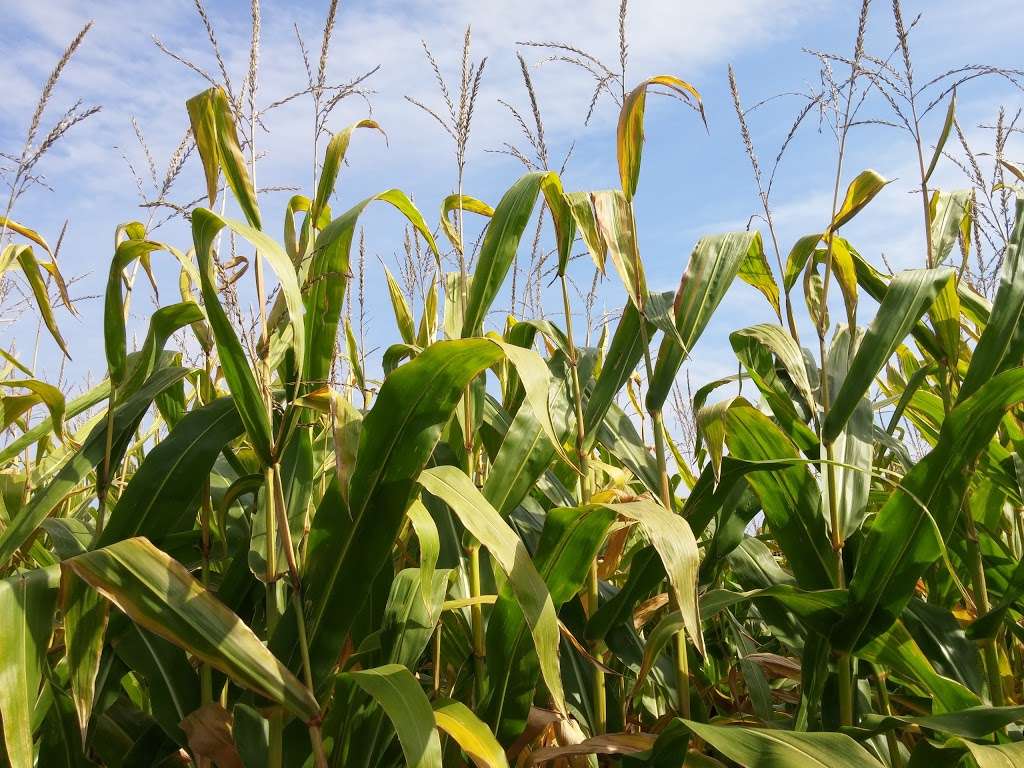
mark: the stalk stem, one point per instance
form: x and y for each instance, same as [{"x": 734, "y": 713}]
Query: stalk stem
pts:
[
  {"x": 990, "y": 655},
  {"x": 665, "y": 491},
  {"x": 599, "y": 692}
]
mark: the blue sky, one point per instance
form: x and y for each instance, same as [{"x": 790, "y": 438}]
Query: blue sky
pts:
[{"x": 692, "y": 183}]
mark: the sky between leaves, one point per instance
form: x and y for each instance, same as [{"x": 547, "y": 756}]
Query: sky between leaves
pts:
[{"x": 692, "y": 182}]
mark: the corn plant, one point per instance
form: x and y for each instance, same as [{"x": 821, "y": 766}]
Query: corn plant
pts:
[{"x": 479, "y": 559}]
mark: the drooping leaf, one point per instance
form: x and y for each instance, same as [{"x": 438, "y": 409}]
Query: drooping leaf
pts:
[
  {"x": 629, "y": 137},
  {"x": 859, "y": 193},
  {"x": 157, "y": 593},
  {"x": 470, "y": 733},
  {"x": 452, "y": 486},
  {"x": 401, "y": 697}
]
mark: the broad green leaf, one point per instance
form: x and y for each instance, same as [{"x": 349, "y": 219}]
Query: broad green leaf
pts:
[
  {"x": 430, "y": 543},
  {"x": 27, "y": 260},
  {"x": 125, "y": 421},
  {"x": 583, "y": 214},
  {"x": 398, "y": 693},
  {"x": 114, "y": 331},
  {"x": 470, "y": 733},
  {"x": 761, "y": 748},
  {"x": 950, "y": 214},
  {"x": 909, "y": 295},
  {"x": 156, "y": 592},
  {"x": 27, "y": 603},
  {"x": 790, "y": 497},
  {"x": 327, "y": 280},
  {"x": 162, "y": 323},
  {"x": 621, "y": 360},
  {"x": 397, "y": 438},
  {"x": 989, "y": 355},
  {"x": 901, "y": 544},
  {"x": 896, "y": 651},
  {"x": 853, "y": 448},
  {"x": 452, "y": 486},
  {"x": 755, "y": 272},
  {"x": 72, "y": 408},
  {"x": 501, "y": 241},
  {"x": 213, "y": 127},
  {"x": 568, "y": 544},
  {"x": 672, "y": 539},
  {"x": 629, "y": 137},
  {"x": 163, "y": 493},
  {"x": 796, "y": 261},
  {"x": 714, "y": 263},
  {"x": 947, "y": 126},
  {"x": 972, "y": 723},
  {"x": 710, "y": 421},
  {"x": 762, "y": 349},
  {"x": 206, "y": 225}
]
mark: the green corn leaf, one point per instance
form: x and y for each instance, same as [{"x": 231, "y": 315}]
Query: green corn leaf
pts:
[
  {"x": 972, "y": 723},
  {"x": 460, "y": 203},
  {"x": 989, "y": 355},
  {"x": 909, "y": 295},
  {"x": 501, "y": 240},
  {"x": 27, "y": 603},
  {"x": 797, "y": 259},
  {"x": 327, "y": 280},
  {"x": 213, "y": 128},
  {"x": 334, "y": 156},
  {"x": 453, "y": 487},
  {"x": 861, "y": 191},
  {"x": 126, "y": 419},
  {"x": 398, "y": 435},
  {"x": 784, "y": 749},
  {"x": 72, "y": 408},
  {"x": 157, "y": 593},
  {"x": 947, "y": 126},
  {"x": 613, "y": 213},
  {"x": 901, "y": 545},
  {"x": 44, "y": 393},
  {"x": 403, "y": 315},
  {"x": 430, "y": 543},
  {"x": 790, "y": 497},
  {"x": 568, "y": 544},
  {"x": 714, "y": 263},
  {"x": 398, "y": 693},
  {"x": 30, "y": 266}
]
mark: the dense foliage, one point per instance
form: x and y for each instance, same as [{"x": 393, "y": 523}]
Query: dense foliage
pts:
[{"x": 250, "y": 562}]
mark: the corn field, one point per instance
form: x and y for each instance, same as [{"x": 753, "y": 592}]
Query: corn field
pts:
[{"x": 256, "y": 544}]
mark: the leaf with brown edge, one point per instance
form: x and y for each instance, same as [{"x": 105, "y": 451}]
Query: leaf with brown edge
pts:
[
  {"x": 606, "y": 744},
  {"x": 861, "y": 191},
  {"x": 158, "y": 594},
  {"x": 209, "y": 732},
  {"x": 629, "y": 136}
]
